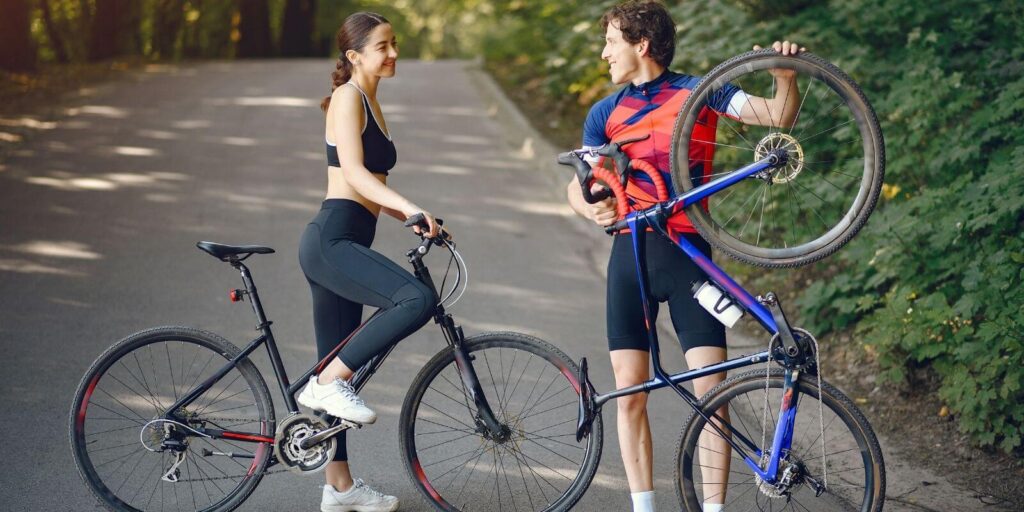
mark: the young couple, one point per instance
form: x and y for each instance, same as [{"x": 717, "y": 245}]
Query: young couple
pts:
[{"x": 344, "y": 273}]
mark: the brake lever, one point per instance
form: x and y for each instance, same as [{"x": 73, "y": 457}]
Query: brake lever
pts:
[
  {"x": 614, "y": 151},
  {"x": 584, "y": 174}
]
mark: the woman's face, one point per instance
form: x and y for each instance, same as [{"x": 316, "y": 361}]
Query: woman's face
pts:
[
  {"x": 379, "y": 56},
  {"x": 623, "y": 57}
]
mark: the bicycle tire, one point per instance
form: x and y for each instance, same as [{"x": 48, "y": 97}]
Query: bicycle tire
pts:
[
  {"x": 106, "y": 382},
  {"x": 824, "y": 206},
  {"x": 415, "y": 424},
  {"x": 853, "y": 462}
]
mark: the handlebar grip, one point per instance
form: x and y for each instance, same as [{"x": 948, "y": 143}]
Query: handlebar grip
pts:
[
  {"x": 615, "y": 228},
  {"x": 418, "y": 219},
  {"x": 611, "y": 181},
  {"x": 421, "y": 220},
  {"x": 600, "y": 195}
]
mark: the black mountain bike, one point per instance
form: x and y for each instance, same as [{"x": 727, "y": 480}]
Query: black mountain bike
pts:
[{"x": 175, "y": 418}]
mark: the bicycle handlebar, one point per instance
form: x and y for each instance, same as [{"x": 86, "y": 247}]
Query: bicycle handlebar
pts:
[
  {"x": 586, "y": 175},
  {"x": 421, "y": 220}
]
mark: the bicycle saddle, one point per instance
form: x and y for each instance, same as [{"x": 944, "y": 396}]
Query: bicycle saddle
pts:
[{"x": 225, "y": 252}]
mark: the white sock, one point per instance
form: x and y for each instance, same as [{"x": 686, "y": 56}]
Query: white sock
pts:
[
  {"x": 643, "y": 501},
  {"x": 714, "y": 507}
]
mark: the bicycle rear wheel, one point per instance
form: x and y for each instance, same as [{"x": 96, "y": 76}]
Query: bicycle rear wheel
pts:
[
  {"x": 121, "y": 452},
  {"x": 853, "y": 473},
  {"x": 797, "y": 213},
  {"x": 533, "y": 390}
]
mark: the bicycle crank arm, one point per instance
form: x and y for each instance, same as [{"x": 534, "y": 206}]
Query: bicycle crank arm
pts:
[{"x": 320, "y": 437}]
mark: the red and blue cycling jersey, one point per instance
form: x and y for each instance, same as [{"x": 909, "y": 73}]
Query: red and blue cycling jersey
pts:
[{"x": 651, "y": 109}]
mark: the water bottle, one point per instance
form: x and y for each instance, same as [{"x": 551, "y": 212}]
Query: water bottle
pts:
[{"x": 720, "y": 305}]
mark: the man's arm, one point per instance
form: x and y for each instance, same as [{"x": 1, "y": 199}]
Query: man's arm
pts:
[{"x": 780, "y": 111}]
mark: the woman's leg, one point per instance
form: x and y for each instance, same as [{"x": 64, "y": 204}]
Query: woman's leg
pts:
[
  {"x": 365, "y": 276},
  {"x": 334, "y": 318}
]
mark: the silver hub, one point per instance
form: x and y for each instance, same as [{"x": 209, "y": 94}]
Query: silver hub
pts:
[{"x": 779, "y": 140}]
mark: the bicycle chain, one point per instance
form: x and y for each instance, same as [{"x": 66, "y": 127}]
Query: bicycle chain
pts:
[{"x": 210, "y": 479}]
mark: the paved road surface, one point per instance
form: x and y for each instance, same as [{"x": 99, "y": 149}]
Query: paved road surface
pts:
[{"x": 99, "y": 214}]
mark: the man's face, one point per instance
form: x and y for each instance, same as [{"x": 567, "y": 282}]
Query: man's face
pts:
[{"x": 623, "y": 57}]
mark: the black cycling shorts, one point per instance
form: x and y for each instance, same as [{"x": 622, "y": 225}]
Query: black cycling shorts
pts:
[{"x": 670, "y": 275}]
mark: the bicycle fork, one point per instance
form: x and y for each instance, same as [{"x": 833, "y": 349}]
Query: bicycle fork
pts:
[{"x": 486, "y": 422}]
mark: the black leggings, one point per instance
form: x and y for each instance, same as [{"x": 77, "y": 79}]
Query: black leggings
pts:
[
  {"x": 343, "y": 274},
  {"x": 670, "y": 276}
]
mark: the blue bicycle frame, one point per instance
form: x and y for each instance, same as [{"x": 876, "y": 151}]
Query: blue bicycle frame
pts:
[{"x": 654, "y": 217}]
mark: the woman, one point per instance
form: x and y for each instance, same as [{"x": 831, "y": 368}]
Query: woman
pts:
[{"x": 343, "y": 272}]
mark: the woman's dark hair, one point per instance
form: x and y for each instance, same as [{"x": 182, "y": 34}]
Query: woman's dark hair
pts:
[
  {"x": 352, "y": 35},
  {"x": 645, "y": 19}
]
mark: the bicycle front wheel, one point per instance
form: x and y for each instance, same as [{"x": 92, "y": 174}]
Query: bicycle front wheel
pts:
[
  {"x": 836, "y": 450},
  {"x": 533, "y": 390},
  {"x": 811, "y": 206},
  {"x": 131, "y": 459}
]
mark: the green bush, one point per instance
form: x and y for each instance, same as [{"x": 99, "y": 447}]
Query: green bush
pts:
[{"x": 935, "y": 279}]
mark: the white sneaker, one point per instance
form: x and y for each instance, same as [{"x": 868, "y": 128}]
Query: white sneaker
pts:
[
  {"x": 337, "y": 399},
  {"x": 360, "y": 498}
]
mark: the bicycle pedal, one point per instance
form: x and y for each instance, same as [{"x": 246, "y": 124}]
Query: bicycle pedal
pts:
[{"x": 587, "y": 408}]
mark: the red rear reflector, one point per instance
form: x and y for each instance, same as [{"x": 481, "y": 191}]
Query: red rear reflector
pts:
[{"x": 235, "y": 296}]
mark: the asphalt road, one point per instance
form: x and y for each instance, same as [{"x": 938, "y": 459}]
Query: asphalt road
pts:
[{"x": 100, "y": 211}]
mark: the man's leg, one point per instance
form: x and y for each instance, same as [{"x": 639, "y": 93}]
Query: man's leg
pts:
[
  {"x": 632, "y": 367},
  {"x": 714, "y": 453}
]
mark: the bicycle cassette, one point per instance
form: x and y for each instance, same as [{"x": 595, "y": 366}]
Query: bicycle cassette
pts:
[{"x": 288, "y": 444}]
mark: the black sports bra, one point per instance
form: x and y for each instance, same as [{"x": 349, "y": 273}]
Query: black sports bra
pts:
[{"x": 379, "y": 154}]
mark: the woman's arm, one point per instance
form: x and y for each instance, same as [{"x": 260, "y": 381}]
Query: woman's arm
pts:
[{"x": 394, "y": 213}]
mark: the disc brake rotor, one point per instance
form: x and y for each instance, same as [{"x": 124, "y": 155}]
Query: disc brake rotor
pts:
[{"x": 779, "y": 140}]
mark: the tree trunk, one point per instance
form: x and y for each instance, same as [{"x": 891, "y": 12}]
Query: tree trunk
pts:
[
  {"x": 168, "y": 17},
  {"x": 254, "y": 29},
  {"x": 17, "y": 52},
  {"x": 53, "y": 33},
  {"x": 114, "y": 29},
  {"x": 297, "y": 28}
]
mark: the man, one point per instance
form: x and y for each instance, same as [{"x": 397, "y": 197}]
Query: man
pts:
[{"x": 639, "y": 46}]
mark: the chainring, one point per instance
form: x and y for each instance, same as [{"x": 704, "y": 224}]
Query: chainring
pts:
[{"x": 293, "y": 430}]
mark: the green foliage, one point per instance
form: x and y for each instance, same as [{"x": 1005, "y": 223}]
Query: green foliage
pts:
[{"x": 936, "y": 279}]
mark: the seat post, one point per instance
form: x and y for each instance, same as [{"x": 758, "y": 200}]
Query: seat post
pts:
[
  {"x": 268, "y": 335},
  {"x": 254, "y": 298}
]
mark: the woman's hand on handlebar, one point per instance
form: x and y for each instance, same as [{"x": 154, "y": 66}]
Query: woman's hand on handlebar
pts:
[{"x": 417, "y": 217}]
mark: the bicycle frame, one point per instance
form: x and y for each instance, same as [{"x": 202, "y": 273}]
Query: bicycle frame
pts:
[
  {"x": 452, "y": 332},
  {"x": 655, "y": 217}
]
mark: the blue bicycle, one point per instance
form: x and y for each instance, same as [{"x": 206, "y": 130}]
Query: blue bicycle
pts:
[{"x": 778, "y": 437}]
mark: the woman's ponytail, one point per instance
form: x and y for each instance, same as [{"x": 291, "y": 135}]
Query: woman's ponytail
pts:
[{"x": 338, "y": 78}]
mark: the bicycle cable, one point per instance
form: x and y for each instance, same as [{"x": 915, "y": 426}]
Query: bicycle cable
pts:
[{"x": 462, "y": 271}]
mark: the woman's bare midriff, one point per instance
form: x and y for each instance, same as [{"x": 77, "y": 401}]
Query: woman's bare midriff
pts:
[{"x": 338, "y": 188}]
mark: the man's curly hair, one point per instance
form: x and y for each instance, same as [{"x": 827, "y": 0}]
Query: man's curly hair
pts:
[{"x": 645, "y": 19}]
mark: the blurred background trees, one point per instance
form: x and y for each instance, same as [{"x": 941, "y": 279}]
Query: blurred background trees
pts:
[{"x": 933, "y": 286}]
